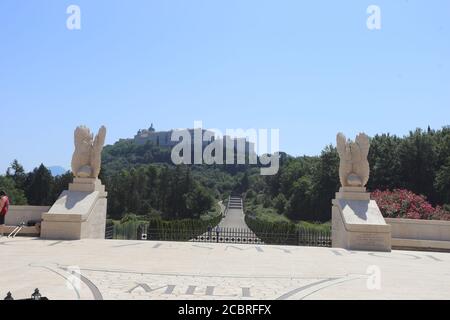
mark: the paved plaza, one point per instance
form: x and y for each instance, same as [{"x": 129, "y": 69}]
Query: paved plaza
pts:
[{"x": 109, "y": 269}]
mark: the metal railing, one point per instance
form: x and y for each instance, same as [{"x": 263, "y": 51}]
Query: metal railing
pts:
[
  {"x": 109, "y": 231},
  {"x": 298, "y": 237},
  {"x": 16, "y": 230},
  {"x": 313, "y": 238},
  {"x": 216, "y": 235}
]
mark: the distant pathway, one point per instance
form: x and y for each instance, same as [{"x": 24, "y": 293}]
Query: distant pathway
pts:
[
  {"x": 235, "y": 217},
  {"x": 232, "y": 228},
  {"x": 234, "y": 222}
]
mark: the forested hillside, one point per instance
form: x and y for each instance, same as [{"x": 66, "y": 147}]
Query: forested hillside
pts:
[
  {"x": 141, "y": 180},
  {"x": 304, "y": 186}
]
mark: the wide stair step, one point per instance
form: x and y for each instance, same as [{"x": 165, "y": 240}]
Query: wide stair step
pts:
[{"x": 235, "y": 203}]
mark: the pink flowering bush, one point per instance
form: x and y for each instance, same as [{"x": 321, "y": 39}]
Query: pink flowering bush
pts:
[{"x": 402, "y": 203}]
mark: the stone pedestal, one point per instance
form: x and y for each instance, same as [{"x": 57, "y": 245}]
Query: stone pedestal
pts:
[
  {"x": 358, "y": 223},
  {"x": 79, "y": 213}
]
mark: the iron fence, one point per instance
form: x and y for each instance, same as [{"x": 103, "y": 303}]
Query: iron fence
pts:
[
  {"x": 223, "y": 235},
  {"x": 314, "y": 238},
  {"x": 298, "y": 237},
  {"x": 109, "y": 231}
]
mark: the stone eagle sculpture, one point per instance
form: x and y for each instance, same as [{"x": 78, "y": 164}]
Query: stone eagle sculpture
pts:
[
  {"x": 354, "y": 167},
  {"x": 86, "y": 160}
]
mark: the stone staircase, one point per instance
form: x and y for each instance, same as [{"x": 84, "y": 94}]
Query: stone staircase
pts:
[{"x": 235, "y": 203}]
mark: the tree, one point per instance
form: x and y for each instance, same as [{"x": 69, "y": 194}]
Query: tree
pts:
[
  {"x": 299, "y": 205},
  {"x": 144, "y": 190},
  {"x": 118, "y": 188},
  {"x": 325, "y": 184},
  {"x": 198, "y": 201},
  {"x": 418, "y": 164},
  {"x": 60, "y": 183},
  {"x": 442, "y": 182},
  {"x": 39, "y": 187},
  {"x": 15, "y": 195},
  {"x": 385, "y": 166},
  {"x": 17, "y": 173},
  {"x": 280, "y": 203},
  {"x": 244, "y": 184}
]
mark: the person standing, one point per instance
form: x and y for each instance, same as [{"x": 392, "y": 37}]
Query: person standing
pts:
[
  {"x": 4, "y": 207},
  {"x": 209, "y": 233},
  {"x": 218, "y": 231}
]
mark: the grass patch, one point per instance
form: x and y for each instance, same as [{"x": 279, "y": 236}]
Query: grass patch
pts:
[{"x": 270, "y": 215}]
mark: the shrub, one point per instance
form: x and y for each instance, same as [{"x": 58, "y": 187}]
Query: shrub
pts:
[
  {"x": 280, "y": 203},
  {"x": 131, "y": 227},
  {"x": 401, "y": 203}
]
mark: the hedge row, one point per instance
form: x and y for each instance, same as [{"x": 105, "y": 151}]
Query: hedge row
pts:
[
  {"x": 158, "y": 229},
  {"x": 287, "y": 233}
]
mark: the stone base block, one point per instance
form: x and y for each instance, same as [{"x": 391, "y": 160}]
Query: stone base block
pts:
[
  {"x": 79, "y": 213},
  {"x": 353, "y": 193},
  {"x": 87, "y": 185},
  {"x": 358, "y": 224}
]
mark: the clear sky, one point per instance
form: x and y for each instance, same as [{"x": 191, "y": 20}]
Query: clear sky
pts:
[{"x": 309, "y": 68}]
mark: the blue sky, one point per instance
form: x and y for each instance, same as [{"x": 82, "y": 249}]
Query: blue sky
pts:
[{"x": 309, "y": 68}]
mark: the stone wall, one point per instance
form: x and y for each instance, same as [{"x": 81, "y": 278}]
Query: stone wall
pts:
[
  {"x": 420, "y": 234},
  {"x": 19, "y": 214}
]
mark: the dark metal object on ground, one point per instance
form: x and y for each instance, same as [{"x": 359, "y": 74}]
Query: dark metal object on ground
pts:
[
  {"x": 36, "y": 296},
  {"x": 9, "y": 297}
]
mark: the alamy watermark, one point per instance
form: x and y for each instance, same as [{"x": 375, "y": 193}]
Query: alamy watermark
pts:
[
  {"x": 374, "y": 279},
  {"x": 374, "y": 20},
  {"x": 237, "y": 146},
  {"x": 73, "y": 281},
  {"x": 73, "y": 22}
]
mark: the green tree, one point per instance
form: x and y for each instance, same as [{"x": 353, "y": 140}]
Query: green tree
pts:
[
  {"x": 442, "y": 182},
  {"x": 39, "y": 187},
  {"x": 15, "y": 195},
  {"x": 199, "y": 201},
  {"x": 418, "y": 164},
  {"x": 325, "y": 184},
  {"x": 244, "y": 183},
  {"x": 17, "y": 173},
  {"x": 60, "y": 183},
  {"x": 299, "y": 205},
  {"x": 385, "y": 166},
  {"x": 280, "y": 203}
]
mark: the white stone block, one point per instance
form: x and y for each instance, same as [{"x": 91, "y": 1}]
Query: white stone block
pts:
[
  {"x": 79, "y": 213},
  {"x": 358, "y": 223}
]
